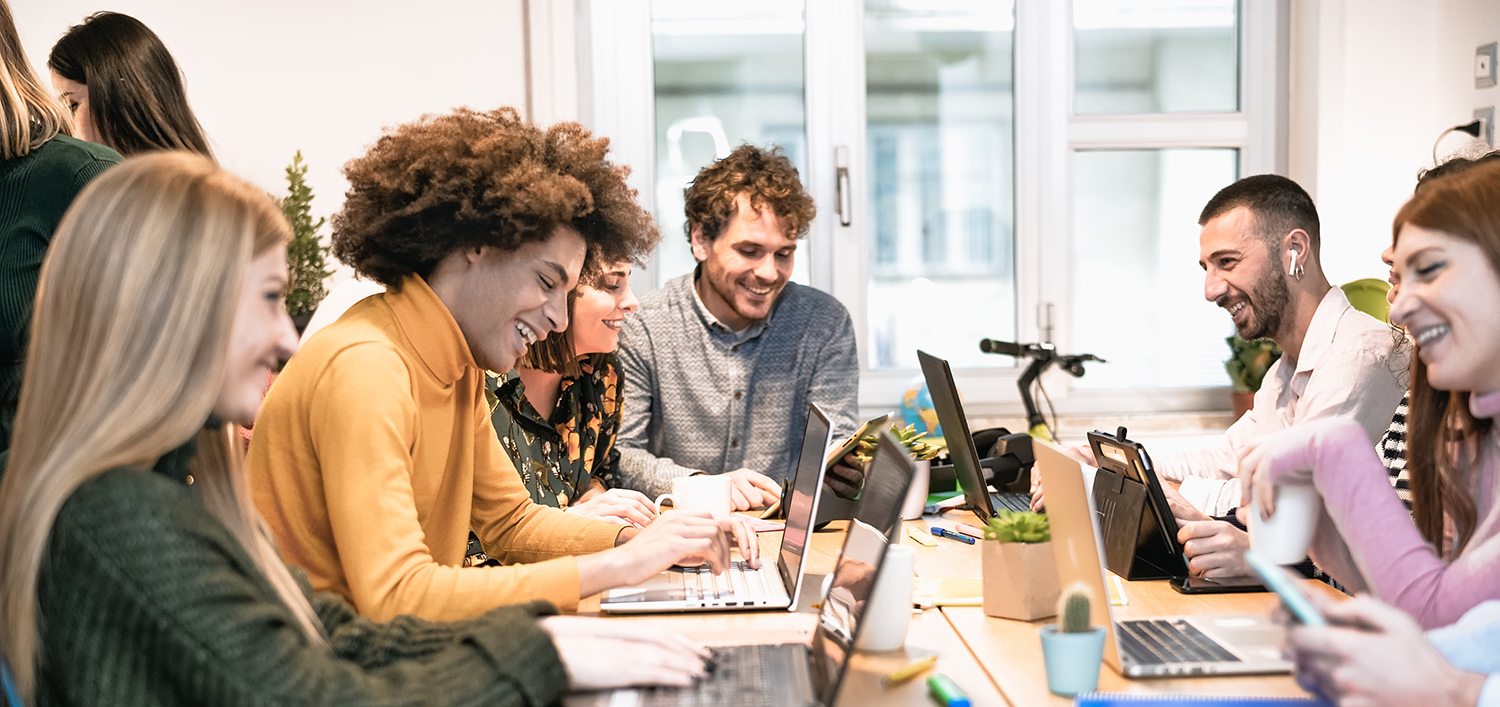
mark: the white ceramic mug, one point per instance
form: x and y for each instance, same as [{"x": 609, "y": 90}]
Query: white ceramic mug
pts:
[
  {"x": 705, "y": 493},
  {"x": 916, "y": 494},
  {"x": 1285, "y": 536}
]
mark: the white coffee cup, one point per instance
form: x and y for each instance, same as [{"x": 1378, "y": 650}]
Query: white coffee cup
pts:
[
  {"x": 1285, "y": 536},
  {"x": 888, "y": 612},
  {"x": 700, "y": 494}
]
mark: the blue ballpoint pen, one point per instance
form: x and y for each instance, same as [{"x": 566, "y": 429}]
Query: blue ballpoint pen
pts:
[{"x": 946, "y": 533}]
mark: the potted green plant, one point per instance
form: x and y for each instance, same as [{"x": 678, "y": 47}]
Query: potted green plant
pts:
[
  {"x": 923, "y": 450},
  {"x": 1018, "y": 569},
  {"x": 1073, "y": 648},
  {"x": 306, "y": 256},
  {"x": 1247, "y": 366}
]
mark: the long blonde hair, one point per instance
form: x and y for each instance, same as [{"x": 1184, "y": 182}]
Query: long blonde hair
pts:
[
  {"x": 137, "y": 297},
  {"x": 29, "y": 115}
]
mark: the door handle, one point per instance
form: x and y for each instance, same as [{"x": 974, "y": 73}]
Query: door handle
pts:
[{"x": 845, "y": 203}]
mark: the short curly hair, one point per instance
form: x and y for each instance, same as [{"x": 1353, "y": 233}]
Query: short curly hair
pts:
[
  {"x": 467, "y": 179},
  {"x": 763, "y": 174}
]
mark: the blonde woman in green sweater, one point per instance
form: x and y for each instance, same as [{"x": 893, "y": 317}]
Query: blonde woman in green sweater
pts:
[{"x": 133, "y": 567}]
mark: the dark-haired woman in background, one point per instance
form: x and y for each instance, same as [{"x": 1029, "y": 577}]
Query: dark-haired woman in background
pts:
[
  {"x": 123, "y": 87},
  {"x": 41, "y": 169}
]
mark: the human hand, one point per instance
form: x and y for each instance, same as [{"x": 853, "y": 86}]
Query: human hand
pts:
[
  {"x": 599, "y": 654},
  {"x": 846, "y": 477},
  {"x": 1284, "y": 457},
  {"x": 1081, "y": 452},
  {"x": 752, "y": 489},
  {"x": 1182, "y": 510},
  {"x": 679, "y": 537},
  {"x": 1373, "y": 654},
  {"x": 616, "y": 506},
  {"x": 1214, "y": 548},
  {"x": 738, "y": 532}
]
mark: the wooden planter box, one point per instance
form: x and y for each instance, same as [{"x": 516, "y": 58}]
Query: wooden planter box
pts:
[{"x": 1020, "y": 580}]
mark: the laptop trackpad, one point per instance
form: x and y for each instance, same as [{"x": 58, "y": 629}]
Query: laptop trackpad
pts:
[{"x": 1252, "y": 636}]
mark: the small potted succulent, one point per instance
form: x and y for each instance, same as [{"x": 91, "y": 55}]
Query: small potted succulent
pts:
[
  {"x": 1073, "y": 648},
  {"x": 1019, "y": 570},
  {"x": 923, "y": 450},
  {"x": 1247, "y": 366}
]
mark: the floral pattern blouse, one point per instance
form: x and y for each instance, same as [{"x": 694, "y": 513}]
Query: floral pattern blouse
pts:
[{"x": 559, "y": 459}]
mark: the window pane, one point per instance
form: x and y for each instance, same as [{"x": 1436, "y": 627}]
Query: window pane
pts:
[
  {"x": 1156, "y": 56},
  {"x": 940, "y": 111},
  {"x": 1137, "y": 287},
  {"x": 725, "y": 74}
]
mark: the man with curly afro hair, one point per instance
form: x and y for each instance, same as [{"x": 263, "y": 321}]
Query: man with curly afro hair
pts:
[
  {"x": 374, "y": 455},
  {"x": 722, "y": 362}
]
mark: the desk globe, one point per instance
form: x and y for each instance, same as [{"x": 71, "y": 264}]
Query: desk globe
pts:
[{"x": 916, "y": 409}]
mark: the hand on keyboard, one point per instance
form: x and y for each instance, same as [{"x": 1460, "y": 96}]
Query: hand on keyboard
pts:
[{"x": 600, "y": 654}]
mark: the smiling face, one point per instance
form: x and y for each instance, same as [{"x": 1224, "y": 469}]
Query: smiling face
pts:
[
  {"x": 75, "y": 96},
  {"x": 746, "y": 267},
  {"x": 599, "y": 311},
  {"x": 1388, "y": 256},
  {"x": 1242, "y": 275},
  {"x": 262, "y": 336},
  {"x": 504, "y": 301},
  {"x": 1450, "y": 305}
]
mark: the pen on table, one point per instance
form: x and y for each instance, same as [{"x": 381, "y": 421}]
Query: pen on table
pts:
[
  {"x": 969, "y": 530},
  {"x": 909, "y": 671},
  {"x": 944, "y": 532},
  {"x": 946, "y": 693}
]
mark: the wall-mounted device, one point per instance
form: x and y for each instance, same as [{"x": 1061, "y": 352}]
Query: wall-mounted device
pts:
[
  {"x": 1484, "y": 66},
  {"x": 1486, "y": 117}
]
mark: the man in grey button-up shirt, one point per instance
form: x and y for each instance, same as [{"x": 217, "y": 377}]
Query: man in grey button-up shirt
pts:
[{"x": 720, "y": 365}]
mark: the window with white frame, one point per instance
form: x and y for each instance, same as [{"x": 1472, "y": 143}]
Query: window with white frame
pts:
[{"x": 1028, "y": 170}]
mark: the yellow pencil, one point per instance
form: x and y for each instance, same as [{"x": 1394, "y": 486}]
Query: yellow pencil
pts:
[{"x": 909, "y": 671}]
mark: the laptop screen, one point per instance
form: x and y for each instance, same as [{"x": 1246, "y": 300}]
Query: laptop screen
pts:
[
  {"x": 956, "y": 432},
  {"x": 803, "y": 502},
  {"x": 858, "y": 567}
]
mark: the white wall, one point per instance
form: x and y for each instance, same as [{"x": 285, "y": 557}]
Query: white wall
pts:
[
  {"x": 1374, "y": 82},
  {"x": 269, "y": 77}
]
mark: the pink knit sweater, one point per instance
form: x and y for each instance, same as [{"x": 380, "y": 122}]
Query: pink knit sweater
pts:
[{"x": 1365, "y": 538}]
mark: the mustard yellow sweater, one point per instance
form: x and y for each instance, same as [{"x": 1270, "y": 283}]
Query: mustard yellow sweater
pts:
[{"x": 373, "y": 457}]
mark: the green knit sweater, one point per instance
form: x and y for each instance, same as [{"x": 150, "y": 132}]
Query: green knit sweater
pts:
[
  {"x": 35, "y": 190},
  {"x": 147, "y": 599}
]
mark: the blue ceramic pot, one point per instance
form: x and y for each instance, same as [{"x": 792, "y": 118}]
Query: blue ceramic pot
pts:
[{"x": 1073, "y": 659}]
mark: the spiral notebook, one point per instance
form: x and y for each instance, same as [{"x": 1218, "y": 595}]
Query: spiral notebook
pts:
[{"x": 1107, "y": 699}]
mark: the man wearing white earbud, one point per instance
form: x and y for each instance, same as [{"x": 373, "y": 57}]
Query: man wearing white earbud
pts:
[{"x": 1259, "y": 253}]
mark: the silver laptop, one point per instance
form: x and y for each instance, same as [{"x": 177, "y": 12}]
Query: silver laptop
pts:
[
  {"x": 1168, "y": 646},
  {"x": 772, "y": 586},
  {"x": 777, "y": 674}
]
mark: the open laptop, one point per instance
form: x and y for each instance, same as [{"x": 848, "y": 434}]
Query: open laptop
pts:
[
  {"x": 977, "y": 494},
  {"x": 1169, "y": 646},
  {"x": 773, "y": 586},
  {"x": 801, "y": 673}
]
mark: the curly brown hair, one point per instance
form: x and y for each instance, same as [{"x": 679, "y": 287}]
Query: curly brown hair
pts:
[
  {"x": 763, "y": 174},
  {"x": 467, "y": 179}
]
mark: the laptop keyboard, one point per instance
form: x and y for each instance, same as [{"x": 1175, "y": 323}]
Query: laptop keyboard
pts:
[
  {"x": 1011, "y": 501},
  {"x": 1163, "y": 642},
  {"x": 739, "y": 583},
  {"x": 744, "y": 676}
]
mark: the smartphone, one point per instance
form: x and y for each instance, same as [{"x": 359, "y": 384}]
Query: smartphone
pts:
[
  {"x": 1221, "y": 585},
  {"x": 1277, "y": 579}
]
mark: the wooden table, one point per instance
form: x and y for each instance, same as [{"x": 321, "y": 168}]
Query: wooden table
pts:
[
  {"x": 996, "y": 661},
  {"x": 930, "y": 632},
  {"x": 1012, "y": 655}
]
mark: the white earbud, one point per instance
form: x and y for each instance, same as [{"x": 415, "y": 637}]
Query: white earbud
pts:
[{"x": 1292, "y": 269}]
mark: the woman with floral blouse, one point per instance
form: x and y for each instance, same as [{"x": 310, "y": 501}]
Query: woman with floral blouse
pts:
[{"x": 558, "y": 413}]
